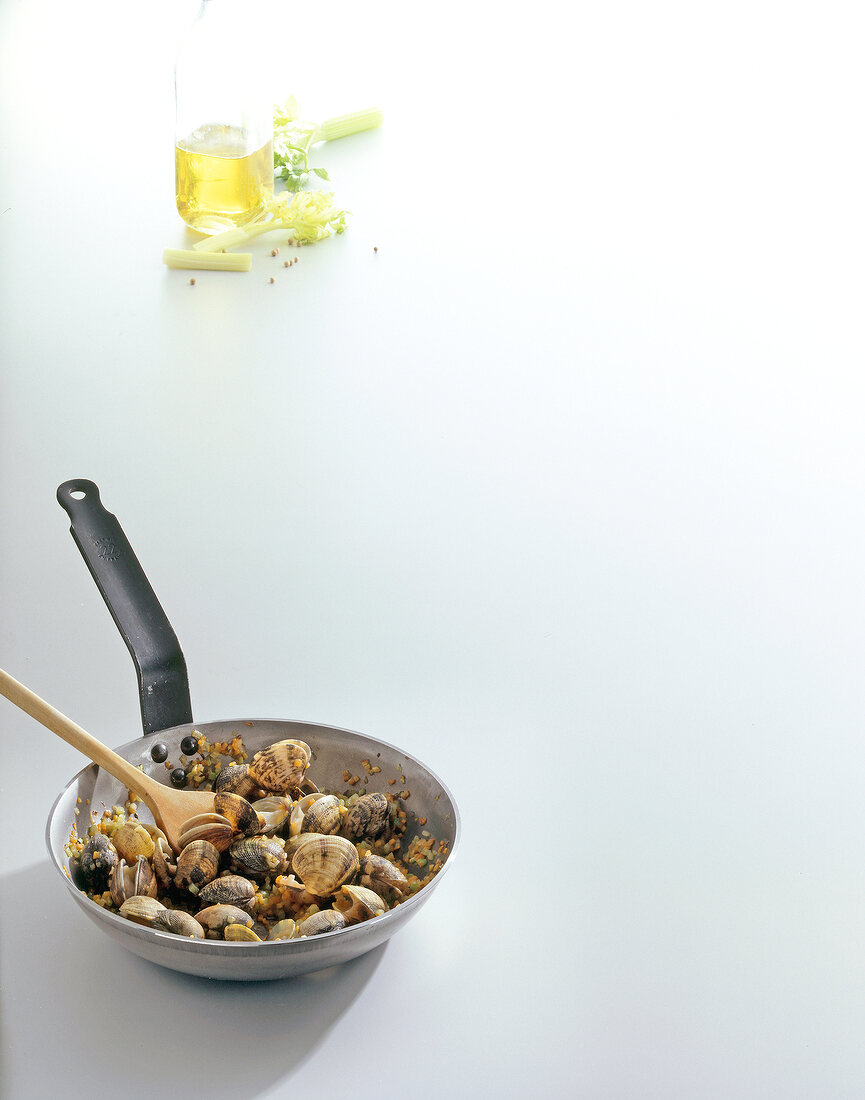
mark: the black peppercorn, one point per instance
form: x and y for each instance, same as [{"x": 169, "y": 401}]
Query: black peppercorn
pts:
[{"x": 189, "y": 745}]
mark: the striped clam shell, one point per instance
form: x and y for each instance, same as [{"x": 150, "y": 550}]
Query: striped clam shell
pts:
[
  {"x": 281, "y": 767},
  {"x": 259, "y": 856},
  {"x": 179, "y": 923},
  {"x": 197, "y": 865},
  {"x": 229, "y": 890},
  {"x": 328, "y": 920},
  {"x": 366, "y": 817},
  {"x": 215, "y": 919},
  {"x": 325, "y": 863}
]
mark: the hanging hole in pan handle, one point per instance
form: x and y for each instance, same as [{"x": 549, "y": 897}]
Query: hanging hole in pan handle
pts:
[
  {"x": 70, "y": 492},
  {"x": 163, "y": 684}
]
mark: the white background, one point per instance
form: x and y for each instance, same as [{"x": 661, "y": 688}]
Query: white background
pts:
[{"x": 560, "y": 490}]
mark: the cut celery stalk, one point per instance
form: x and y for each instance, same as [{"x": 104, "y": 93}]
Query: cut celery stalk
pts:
[
  {"x": 211, "y": 261},
  {"x": 343, "y": 125}
]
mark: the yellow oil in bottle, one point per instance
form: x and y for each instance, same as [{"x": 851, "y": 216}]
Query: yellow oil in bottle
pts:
[{"x": 219, "y": 183}]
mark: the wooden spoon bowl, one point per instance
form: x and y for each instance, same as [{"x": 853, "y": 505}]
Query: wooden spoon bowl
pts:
[{"x": 170, "y": 807}]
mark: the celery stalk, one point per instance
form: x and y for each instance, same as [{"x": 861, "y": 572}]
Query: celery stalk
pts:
[
  {"x": 308, "y": 216},
  {"x": 344, "y": 125},
  {"x": 231, "y": 237},
  {"x": 218, "y": 261},
  {"x": 293, "y": 137}
]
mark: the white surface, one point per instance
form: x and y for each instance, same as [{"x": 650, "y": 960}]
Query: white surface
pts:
[{"x": 561, "y": 490}]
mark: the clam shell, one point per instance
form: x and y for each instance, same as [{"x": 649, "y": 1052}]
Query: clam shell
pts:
[
  {"x": 229, "y": 890},
  {"x": 98, "y": 859},
  {"x": 131, "y": 841},
  {"x": 358, "y": 903},
  {"x": 163, "y": 862},
  {"x": 295, "y": 842},
  {"x": 141, "y": 909},
  {"x": 215, "y": 918},
  {"x": 213, "y": 827},
  {"x": 240, "y": 933},
  {"x": 295, "y": 819},
  {"x": 366, "y": 817},
  {"x": 328, "y": 920},
  {"x": 197, "y": 865},
  {"x": 294, "y": 890},
  {"x": 325, "y": 863},
  {"x": 281, "y": 767},
  {"x": 236, "y": 778},
  {"x": 259, "y": 856},
  {"x": 178, "y": 922},
  {"x": 239, "y": 812},
  {"x": 381, "y": 875},
  {"x": 274, "y": 811},
  {"x": 323, "y": 815},
  {"x": 282, "y": 930},
  {"x": 128, "y": 880}
]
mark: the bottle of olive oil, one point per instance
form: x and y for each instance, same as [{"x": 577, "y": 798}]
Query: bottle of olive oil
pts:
[{"x": 223, "y": 154}]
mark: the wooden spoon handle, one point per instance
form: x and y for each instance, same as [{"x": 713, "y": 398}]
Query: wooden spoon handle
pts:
[{"x": 74, "y": 735}]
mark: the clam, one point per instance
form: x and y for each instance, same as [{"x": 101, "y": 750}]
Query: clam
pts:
[
  {"x": 213, "y": 827},
  {"x": 299, "y": 809},
  {"x": 381, "y": 875},
  {"x": 259, "y": 856},
  {"x": 358, "y": 903},
  {"x": 163, "y": 861},
  {"x": 294, "y": 842},
  {"x": 295, "y": 818},
  {"x": 127, "y": 880},
  {"x": 295, "y": 893},
  {"x": 229, "y": 890},
  {"x": 236, "y": 779},
  {"x": 239, "y": 812},
  {"x": 215, "y": 918},
  {"x": 282, "y": 930},
  {"x": 178, "y": 922},
  {"x": 153, "y": 831},
  {"x": 197, "y": 865},
  {"x": 325, "y": 863},
  {"x": 280, "y": 768},
  {"x": 240, "y": 933},
  {"x": 97, "y": 861},
  {"x": 323, "y": 815},
  {"x": 131, "y": 841},
  {"x": 141, "y": 909},
  {"x": 328, "y": 920},
  {"x": 366, "y": 817},
  {"x": 273, "y": 810}
]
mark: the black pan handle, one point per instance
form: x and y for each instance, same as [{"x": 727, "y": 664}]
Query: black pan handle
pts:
[{"x": 163, "y": 685}]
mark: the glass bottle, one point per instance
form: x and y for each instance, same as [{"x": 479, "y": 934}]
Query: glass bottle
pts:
[{"x": 223, "y": 153}]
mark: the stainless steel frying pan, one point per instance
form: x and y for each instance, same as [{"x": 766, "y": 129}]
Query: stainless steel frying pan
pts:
[{"x": 166, "y": 716}]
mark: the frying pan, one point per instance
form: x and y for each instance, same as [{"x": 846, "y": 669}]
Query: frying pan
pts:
[{"x": 167, "y": 717}]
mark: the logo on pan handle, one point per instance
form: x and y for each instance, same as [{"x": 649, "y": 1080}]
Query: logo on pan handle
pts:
[{"x": 106, "y": 549}]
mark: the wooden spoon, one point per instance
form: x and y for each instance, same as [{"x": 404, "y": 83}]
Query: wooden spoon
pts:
[{"x": 170, "y": 807}]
